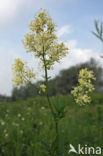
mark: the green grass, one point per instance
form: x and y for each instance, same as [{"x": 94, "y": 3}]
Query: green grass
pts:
[{"x": 27, "y": 128}]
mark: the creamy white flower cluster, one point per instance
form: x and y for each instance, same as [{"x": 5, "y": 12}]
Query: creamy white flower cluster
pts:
[{"x": 85, "y": 86}]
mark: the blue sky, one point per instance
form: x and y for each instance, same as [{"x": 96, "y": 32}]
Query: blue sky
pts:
[{"x": 75, "y": 22}]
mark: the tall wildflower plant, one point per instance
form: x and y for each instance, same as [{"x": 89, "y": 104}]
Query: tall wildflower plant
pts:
[{"x": 43, "y": 43}]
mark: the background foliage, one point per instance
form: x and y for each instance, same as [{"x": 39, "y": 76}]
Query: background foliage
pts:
[{"x": 62, "y": 83}]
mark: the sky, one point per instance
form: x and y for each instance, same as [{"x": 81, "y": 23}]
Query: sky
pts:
[{"x": 75, "y": 20}]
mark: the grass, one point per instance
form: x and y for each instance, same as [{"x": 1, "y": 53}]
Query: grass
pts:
[{"x": 27, "y": 128}]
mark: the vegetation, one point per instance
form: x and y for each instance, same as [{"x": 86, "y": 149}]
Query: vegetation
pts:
[
  {"x": 62, "y": 83},
  {"x": 82, "y": 92},
  {"x": 43, "y": 118},
  {"x": 98, "y": 30},
  {"x": 43, "y": 43},
  {"x": 27, "y": 128}
]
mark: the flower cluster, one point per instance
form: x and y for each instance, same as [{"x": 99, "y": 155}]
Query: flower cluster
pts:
[
  {"x": 22, "y": 73},
  {"x": 43, "y": 87},
  {"x": 85, "y": 86},
  {"x": 42, "y": 40}
]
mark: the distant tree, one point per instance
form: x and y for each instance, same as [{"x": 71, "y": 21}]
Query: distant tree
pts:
[
  {"x": 24, "y": 92},
  {"x": 14, "y": 95},
  {"x": 63, "y": 83}
]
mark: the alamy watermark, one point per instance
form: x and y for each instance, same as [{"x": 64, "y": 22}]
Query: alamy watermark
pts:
[{"x": 85, "y": 150}]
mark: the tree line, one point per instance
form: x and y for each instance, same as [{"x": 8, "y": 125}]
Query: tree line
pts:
[{"x": 62, "y": 83}]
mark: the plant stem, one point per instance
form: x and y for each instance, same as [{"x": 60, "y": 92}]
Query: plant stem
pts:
[
  {"x": 50, "y": 105},
  {"x": 46, "y": 80},
  {"x": 57, "y": 137}
]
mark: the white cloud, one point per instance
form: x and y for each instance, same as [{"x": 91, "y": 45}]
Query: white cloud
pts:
[
  {"x": 8, "y": 9},
  {"x": 76, "y": 56},
  {"x": 63, "y": 30},
  {"x": 71, "y": 44}
]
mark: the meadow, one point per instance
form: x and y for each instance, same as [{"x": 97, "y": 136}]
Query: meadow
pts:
[{"x": 27, "y": 127}]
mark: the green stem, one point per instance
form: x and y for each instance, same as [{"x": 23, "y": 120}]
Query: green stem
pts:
[
  {"x": 50, "y": 105},
  {"x": 46, "y": 80},
  {"x": 57, "y": 137}
]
